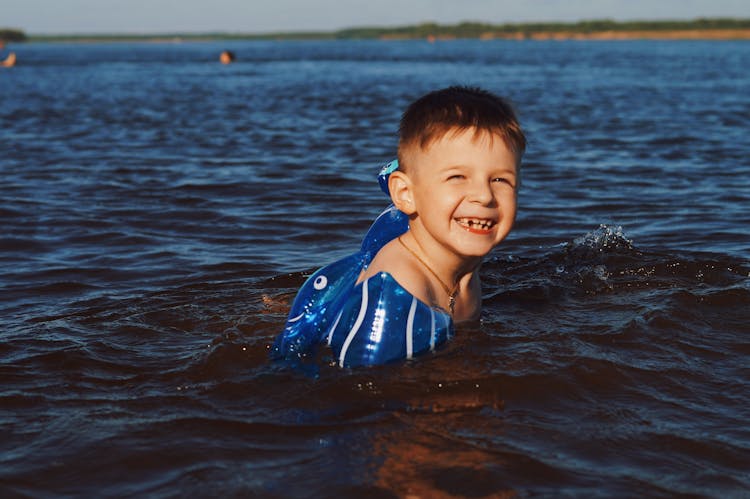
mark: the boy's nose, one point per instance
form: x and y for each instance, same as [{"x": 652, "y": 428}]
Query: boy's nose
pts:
[{"x": 481, "y": 193}]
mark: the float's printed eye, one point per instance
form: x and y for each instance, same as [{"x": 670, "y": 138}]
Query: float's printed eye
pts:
[{"x": 320, "y": 282}]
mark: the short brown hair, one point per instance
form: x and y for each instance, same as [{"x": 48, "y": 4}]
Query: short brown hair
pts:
[{"x": 431, "y": 116}]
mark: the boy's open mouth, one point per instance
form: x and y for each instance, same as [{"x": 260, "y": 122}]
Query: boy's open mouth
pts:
[{"x": 476, "y": 224}]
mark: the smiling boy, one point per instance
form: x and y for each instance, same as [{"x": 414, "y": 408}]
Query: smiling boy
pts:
[
  {"x": 459, "y": 157},
  {"x": 417, "y": 272}
]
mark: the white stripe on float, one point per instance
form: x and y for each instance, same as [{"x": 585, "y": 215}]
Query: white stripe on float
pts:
[
  {"x": 295, "y": 319},
  {"x": 432, "y": 329},
  {"x": 357, "y": 324},
  {"x": 333, "y": 328},
  {"x": 410, "y": 328}
]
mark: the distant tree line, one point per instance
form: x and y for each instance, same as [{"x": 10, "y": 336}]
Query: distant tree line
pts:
[
  {"x": 12, "y": 35},
  {"x": 425, "y": 30},
  {"x": 474, "y": 29}
]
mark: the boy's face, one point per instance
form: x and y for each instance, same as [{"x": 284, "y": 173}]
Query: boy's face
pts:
[{"x": 463, "y": 187}]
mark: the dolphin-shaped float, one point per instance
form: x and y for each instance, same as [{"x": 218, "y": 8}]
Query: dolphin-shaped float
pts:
[{"x": 374, "y": 322}]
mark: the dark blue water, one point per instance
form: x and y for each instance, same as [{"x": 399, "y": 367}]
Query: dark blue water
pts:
[{"x": 159, "y": 211}]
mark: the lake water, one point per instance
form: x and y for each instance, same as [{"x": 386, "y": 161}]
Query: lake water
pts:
[{"x": 159, "y": 211}]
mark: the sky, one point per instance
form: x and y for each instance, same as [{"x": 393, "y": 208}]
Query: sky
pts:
[{"x": 264, "y": 16}]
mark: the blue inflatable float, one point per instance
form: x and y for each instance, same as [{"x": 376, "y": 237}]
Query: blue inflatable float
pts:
[{"x": 374, "y": 322}]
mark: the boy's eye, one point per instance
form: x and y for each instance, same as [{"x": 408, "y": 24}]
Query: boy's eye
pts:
[
  {"x": 504, "y": 181},
  {"x": 457, "y": 176}
]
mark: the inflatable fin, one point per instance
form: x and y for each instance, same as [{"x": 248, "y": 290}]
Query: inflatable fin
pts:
[{"x": 390, "y": 224}]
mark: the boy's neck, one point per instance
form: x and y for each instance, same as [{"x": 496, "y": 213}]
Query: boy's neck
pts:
[{"x": 452, "y": 269}]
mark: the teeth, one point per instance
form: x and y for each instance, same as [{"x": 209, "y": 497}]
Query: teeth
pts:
[{"x": 476, "y": 223}]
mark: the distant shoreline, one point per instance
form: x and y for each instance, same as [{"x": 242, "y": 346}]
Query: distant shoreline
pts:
[
  {"x": 698, "y": 29},
  {"x": 706, "y": 34},
  {"x": 549, "y": 35},
  {"x": 612, "y": 35}
]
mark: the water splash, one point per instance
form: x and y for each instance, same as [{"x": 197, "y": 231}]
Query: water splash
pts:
[
  {"x": 587, "y": 262},
  {"x": 604, "y": 239}
]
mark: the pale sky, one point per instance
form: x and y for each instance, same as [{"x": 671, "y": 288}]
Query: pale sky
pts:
[{"x": 262, "y": 16}]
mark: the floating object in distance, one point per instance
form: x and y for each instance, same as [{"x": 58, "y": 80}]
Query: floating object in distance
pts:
[{"x": 226, "y": 57}]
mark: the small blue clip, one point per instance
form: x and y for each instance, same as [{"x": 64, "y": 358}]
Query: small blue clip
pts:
[{"x": 385, "y": 173}]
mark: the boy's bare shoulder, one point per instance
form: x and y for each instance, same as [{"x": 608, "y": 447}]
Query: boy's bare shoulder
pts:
[{"x": 393, "y": 259}]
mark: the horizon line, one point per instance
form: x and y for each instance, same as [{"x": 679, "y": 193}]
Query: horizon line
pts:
[{"x": 334, "y": 31}]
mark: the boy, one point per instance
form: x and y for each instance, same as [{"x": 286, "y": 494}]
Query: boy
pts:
[
  {"x": 454, "y": 192},
  {"x": 459, "y": 152}
]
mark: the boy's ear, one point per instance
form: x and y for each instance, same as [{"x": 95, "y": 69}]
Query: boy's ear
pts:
[{"x": 400, "y": 187}]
